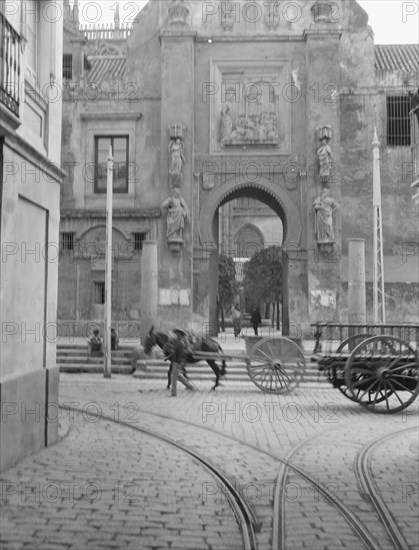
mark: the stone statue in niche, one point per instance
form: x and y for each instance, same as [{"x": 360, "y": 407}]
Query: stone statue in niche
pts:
[
  {"x": 325, "y": 160},
  {"x": 177, "y": 214},
  {"x": 324, "y": 206},
  {"x": 324, "y": 154},
  {"x": 177, "y": 158}
]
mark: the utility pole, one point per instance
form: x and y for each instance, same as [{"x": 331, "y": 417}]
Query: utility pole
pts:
[
  {"x": 108, "y": 272},
  {"x": 378, "y": 268}
]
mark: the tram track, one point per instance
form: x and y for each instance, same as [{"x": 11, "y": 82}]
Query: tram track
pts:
[
  {"x": 245, "y": 514},
  {"x": 370, "y": 489},
  {"x": 351, "y": 519}
]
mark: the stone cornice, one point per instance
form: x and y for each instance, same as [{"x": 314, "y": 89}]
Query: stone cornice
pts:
[
  {"x": 254, "y": 38},
  {"x": 26, "y": 150},
  {"x": 322, "y": 33},
  {"x": 111, "y": 116},
  {"x": 177, "y": 35},
  {"x": 101, "y": 214}
]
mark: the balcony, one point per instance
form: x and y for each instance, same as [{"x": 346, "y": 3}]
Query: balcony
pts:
[
  {"x": 9, "y": 66},
  {"x": 414, "y": 122}
]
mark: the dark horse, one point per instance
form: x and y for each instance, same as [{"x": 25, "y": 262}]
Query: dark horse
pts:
[{"x": 162, "y": 340}]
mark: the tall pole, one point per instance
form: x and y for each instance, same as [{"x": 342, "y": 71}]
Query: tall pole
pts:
[
  {"x": 108, "y": 272},
  {"x": 378, "y": 268},
  {"x": 356, "y": 282}
]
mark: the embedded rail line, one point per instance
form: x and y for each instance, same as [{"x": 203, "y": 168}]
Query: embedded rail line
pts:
[
  {"x": 370, "y": 490},
  {"x": 245, "y": 514}
]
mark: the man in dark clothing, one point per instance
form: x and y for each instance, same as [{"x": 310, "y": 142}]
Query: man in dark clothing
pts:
[{"x": 256, "y": 320}]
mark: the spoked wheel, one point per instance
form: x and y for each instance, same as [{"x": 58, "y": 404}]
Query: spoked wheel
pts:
[
  {"x": 382, "y": 374},
  {"x": 346, "y": 347},
  {"x": 276, "y": 365}
]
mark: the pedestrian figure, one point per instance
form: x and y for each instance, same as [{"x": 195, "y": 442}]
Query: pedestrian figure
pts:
[
  {"x": 256, "y": 320},
  {"x": 236, "y": 316},
  {"x": 114, "y": 340},
  {"x": 95, "y": 346}
]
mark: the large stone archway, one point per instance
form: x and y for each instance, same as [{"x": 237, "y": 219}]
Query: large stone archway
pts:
[
  {"x": 265, "y": 191},
  {"x": 270, "y": 193}
]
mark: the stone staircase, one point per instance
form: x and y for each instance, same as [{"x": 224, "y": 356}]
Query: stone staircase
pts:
[{"x": 73, "y": 358}]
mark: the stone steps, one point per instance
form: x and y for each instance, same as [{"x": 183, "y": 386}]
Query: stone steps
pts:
[{"x": 74, "y": 359}]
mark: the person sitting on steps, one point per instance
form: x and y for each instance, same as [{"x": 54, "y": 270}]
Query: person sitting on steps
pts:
[{"x": 95, "y": 346}]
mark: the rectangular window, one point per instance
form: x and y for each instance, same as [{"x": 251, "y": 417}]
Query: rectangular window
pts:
[
  {"x": 398, "y": 121},
  {"x": 67, "y": 66},
  {"x": 139, "y": 238},
  {"x": 66, "y": 241},
  {"x": 119, "y": 146},
  {"x": 99, "y": 292}
]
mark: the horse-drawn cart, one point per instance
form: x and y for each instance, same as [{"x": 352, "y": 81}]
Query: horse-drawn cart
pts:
[
  {"x": 273, "y": 365},
  {"x": 374, "y": 365}
]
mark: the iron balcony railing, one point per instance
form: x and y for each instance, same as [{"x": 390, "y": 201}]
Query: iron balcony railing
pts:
[
  {"x": 106, "y": 32},
  {"x": 9, "y": 65},
  {"x": 414, "y": 123}
]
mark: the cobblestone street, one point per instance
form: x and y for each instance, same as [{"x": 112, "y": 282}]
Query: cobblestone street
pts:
[{"x": 291, "y": 458}]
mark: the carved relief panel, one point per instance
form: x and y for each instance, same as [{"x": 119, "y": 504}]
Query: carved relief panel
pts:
[{"x": 250, "y": 107}]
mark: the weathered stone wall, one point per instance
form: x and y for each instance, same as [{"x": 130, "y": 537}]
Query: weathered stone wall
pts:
[
  {"x": 325, "y": 76},
  {"x": 401, "y": 302}
]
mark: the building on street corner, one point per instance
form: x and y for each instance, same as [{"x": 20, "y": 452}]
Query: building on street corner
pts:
[{"x": 30, "y": 178}]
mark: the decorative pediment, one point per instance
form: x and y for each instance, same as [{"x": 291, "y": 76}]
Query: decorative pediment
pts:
[{"x": 92, "y": 244}]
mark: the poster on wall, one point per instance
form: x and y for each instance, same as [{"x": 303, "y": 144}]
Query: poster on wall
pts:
[{"x": 323, "y": 298}]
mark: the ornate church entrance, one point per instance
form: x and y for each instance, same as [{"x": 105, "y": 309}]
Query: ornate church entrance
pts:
[{"x": 215, "y": 233}]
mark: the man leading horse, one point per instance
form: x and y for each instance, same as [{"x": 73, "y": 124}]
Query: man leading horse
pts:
[{"x": 193, "y": 343}]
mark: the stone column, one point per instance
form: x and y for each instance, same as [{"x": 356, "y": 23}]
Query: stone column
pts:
[
  {"x": 356, "y": 281},
  {"x": 323, "y": 109},
  {"x": 149, "y": 274}
]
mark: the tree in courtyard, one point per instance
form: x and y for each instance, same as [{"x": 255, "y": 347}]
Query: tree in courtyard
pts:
[{"x": 263, "y": 278}]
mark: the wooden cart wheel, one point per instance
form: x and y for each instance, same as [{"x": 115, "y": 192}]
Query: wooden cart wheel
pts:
[
  {"x": 346, "y": 347},
  {"x": 382, "y": 374},
  {"x": 276, "y": 365}
]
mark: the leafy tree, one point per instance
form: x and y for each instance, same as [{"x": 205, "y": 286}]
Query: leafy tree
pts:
[
  {"x": 263, "y": 278},
  {"x": 227, "y": 284}
]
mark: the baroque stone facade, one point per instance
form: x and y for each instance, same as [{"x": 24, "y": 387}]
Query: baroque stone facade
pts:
[{"x": 277, "y": 109}]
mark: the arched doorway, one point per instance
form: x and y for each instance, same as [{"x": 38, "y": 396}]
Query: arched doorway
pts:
[
  {"x": 248, "y": 239},
  {"x": 267, "y": 192}
]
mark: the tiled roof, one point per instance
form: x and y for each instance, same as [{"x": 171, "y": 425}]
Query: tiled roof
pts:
[
  {"x": 388, "y": 57},
  {"x": 106, "y": 67},
  {"x": 397, "y": 57}
]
